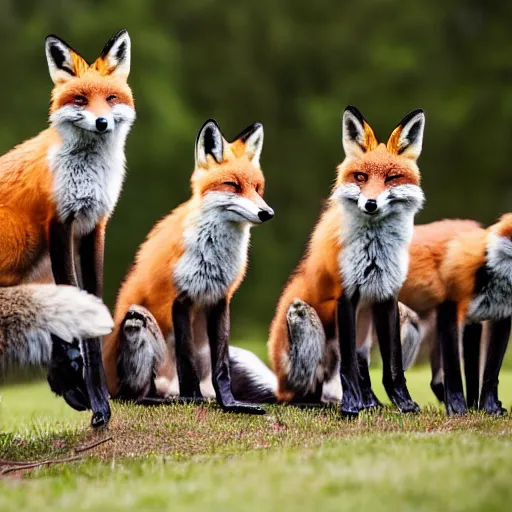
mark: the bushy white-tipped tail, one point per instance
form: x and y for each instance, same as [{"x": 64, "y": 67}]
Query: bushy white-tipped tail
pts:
[
  {"x": 29, "y": 314},
  {"x": 251, "y": 379},
  {"x": 71, "y": 313}
]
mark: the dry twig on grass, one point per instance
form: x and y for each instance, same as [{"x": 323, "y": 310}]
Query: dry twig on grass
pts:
[{"x": 12, "y": 465}]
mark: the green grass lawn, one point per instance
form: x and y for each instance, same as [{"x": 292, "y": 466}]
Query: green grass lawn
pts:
[{"x": 188, "y": 457}]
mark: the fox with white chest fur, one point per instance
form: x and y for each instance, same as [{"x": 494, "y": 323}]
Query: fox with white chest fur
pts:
[
  {"x": 184, "y": 277},
  {"x": 60, "y": 188},
  {"x": 356, "y": 262}
]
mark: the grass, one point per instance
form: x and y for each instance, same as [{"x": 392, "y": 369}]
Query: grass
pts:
[{"x": 186, "y": 457}]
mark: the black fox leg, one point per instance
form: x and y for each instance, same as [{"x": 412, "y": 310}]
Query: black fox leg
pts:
[
  {"x": 370, "y": 400},
  {"x": 141, "y": 350},
  {"x": 65, "y": 373},
  {"x": 471, "y": 347},
  {"x": 387, "y": 327},
  {"x": 94, "y": 377},
  {"x": 62, "y": 255},
  {"x": 448, "y": 334},
  {"x": 188, "y": 375},
  {"x": 436, "y": 365},
  {"x": 217, "y": 319},
  {"x": 499, "y": 336},
  {"x": 351, "y": 402},
  {"x": 91, "y": 253}
]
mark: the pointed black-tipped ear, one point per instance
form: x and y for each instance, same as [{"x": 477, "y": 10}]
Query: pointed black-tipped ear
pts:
[
  {"x": 115, "y": 57},
  {"x": 358, "y": 137},
  {"x": 252, "y": 139},
  {"x": 209, "y": 141},
  {"x": 63, "y": 62},
  {"x": 407, "y": 137}
]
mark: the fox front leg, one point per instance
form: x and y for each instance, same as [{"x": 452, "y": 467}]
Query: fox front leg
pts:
[
  {"x": 448, "y": 339},
  {"x": 498, "y": 341},
  {"x": 218, "y": 333},
  {"x": 351, "y": 401},
  {"x": 92, "y": 248},
  {"x": 387, "y": 327},
  {"x": 66, "y": 365},
  {"x": 63, "y": 376},
  {"x": 185, "y": 362},
  {"x": 471, "y": 340}
]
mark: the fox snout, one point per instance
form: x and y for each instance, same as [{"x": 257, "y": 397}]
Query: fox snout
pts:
[
  {"x": 101, "y": 124},
  {"x": 370, "y": 206},
  {"x": 265, "y": 214}
]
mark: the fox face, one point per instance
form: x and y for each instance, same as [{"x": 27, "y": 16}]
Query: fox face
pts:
[
  {"x": 227, "y": 180},
  {"x": 376, "y": 179},
  {"x": 91, "y": 99}
]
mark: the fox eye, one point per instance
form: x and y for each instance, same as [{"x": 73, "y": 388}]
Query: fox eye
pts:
[
  {"x": 80, "y": 101},
  {"x": 393, "y": 177},
  {"x": 361, "y": 177},
  {"x": 112, "y": 97},
  {"x": 258, "y": 189},
  {"x": 233, "y": 184}
]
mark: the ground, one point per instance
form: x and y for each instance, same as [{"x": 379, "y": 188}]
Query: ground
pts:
[{"x": 189, "y": 457}]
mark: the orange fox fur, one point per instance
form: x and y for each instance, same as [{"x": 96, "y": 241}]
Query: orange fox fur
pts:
[{"x": 428, "y": 282}]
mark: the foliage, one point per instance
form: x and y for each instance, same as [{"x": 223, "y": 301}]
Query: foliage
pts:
[{"x": 294, "y": 66}]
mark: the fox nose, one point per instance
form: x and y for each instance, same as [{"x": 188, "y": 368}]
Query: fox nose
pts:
[
  {"x": 265, "y": 215},
  {"x": 101, "y": 124},
  {"x": 371, "y": 206}
]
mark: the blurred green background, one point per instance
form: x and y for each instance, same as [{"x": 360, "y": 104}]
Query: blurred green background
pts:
[{"x": 294, "y": 66}]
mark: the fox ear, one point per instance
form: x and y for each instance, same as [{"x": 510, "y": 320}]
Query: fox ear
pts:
[
  {"x": 252, "y": 140},
  {"x": 209, "y": 141},
  {"x": 115, "y": 57},
  {"x": 407, "y": 137},
  {"x": 63, "y": 62},
  {"x": 358, "y": 137}
]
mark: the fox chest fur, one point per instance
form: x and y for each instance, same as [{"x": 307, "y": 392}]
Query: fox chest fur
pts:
[
  {"x": 374, "y": 258},
  {"x": 493, "y": 286},
  {"x": 87, "y": 180},
  {"x": 215, "y": 256}
]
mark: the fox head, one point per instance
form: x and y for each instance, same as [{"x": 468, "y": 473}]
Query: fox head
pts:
[
  {"x": 376, "y": 179},
  {"x": 227, "y": 178},
  {"x": 95, "y": 98}
]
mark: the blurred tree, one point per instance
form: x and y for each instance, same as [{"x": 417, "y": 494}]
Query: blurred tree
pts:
[{"x": 292, "y": 65}]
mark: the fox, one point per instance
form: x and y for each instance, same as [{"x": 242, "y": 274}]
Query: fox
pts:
[
  {"x": 354, "y": 266},
  {"x": 57, "y": 192},
  {"x": 172, "y": 314},
  {"x": 460, "y": 279}
]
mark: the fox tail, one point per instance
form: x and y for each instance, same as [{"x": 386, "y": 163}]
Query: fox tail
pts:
[
  {"x": 30, "y": 314},
  {"x": 251, "y": 380}
]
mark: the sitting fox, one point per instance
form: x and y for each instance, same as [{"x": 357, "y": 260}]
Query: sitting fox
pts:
[
  {"x": 350, "y": 277},
  {"x": 57, "y": 192},
  {"x": 185, "y": 274}
]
